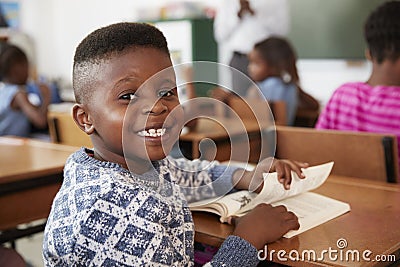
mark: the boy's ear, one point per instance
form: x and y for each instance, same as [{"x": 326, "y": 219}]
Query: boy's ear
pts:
[{"x": 82, "y": 119}]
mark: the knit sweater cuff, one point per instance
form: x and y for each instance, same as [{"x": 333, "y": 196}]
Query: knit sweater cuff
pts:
[{"x": 235, "y": 251}]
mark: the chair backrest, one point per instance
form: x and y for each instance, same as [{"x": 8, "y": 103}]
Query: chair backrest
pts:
[
  {"x": 63, "y": 130},
  {"x": 306, "y": 118},
  {"x": 250, "y": 108},
  {"x": 307, "y": 110},
  {"x": 278, "y": 109},
  {"x": 365, "y": 155}
]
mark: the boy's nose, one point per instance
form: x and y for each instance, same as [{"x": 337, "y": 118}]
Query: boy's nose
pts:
[{"x": 154, "y": 107}]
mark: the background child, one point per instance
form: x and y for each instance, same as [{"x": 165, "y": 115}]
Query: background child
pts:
[
  {"x": 122, "y": 205},
  {"x": 17, "y": 113},
  {"x": 273, "y": 67},
  {"x": 372, "y": 106}
]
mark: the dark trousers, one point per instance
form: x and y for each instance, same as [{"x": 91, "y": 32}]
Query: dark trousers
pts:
[{"x": 240, "y": 80}]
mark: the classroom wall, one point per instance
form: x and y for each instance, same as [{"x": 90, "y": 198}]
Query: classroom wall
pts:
[
  {"x": 321, "y": 77},
  {"x": 56, "y": 27},
  {"x": 335, "y": 31}
]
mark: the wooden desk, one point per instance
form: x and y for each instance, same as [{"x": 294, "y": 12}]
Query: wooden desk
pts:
[
  {"x": 30, "y": 175},
  {"x": 225, "y": 133},
  {"x": 372, "y": 224}
]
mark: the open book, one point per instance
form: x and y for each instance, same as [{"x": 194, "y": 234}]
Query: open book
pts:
[{"x": 312, "y": 209}]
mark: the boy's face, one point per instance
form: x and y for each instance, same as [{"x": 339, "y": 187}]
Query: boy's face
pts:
[
  {"x": 258, "y": 68},
  {"x": 131, "y": 117}
]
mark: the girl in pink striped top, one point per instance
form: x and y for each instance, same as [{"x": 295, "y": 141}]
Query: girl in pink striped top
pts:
[{"x": 374, "y": 105}]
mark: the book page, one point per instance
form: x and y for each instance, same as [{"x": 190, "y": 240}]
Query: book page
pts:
[
  {"x": 312, "y": 210},
  {"x": 273, "y": 190},
  {"x": 224, "y": 206}
]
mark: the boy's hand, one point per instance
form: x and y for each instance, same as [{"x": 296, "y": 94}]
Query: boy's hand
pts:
[
  {"x": 284, "y": 168},
  {"x": 264, "y": 224},
  {"x": 254, "y": 180}
]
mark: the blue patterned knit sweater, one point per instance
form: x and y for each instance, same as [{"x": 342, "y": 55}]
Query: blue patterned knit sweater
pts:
[{"x": 104, "y": 215}]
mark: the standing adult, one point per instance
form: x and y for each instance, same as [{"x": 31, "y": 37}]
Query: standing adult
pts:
[{"x": 240, "y": 24}]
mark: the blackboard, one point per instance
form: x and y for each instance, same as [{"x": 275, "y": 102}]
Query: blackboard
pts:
[{"x": 329, "y": 29}]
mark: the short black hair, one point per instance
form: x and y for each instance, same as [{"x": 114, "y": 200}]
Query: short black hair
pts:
[
  {"x": 9, "y": 56},
  {"x": 382, "y": 32},
  {"x": 107, "y": 42},
  {"x": 278, "y": 53}
]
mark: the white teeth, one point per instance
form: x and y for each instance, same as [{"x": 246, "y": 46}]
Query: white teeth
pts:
[{"x": 153, "y": 132}]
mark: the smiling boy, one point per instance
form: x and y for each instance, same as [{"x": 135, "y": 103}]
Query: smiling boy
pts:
[{"x": 121, "y": 204}]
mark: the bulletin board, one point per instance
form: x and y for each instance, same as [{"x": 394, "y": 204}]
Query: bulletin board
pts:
[{"x": 329, "y": 29}]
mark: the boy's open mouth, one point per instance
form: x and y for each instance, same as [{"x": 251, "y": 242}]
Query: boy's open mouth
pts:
[{"x": 153, "y": 132}]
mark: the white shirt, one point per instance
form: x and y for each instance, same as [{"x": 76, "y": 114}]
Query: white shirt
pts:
[{"x": 271, "y": 18}]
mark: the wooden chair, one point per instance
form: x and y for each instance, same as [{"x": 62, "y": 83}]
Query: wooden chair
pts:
[
  {"x": 365, "y": 155},
  {"x": 278, "y": 109},
  {"x": 306, "y": 118},
  {"x": 63, "y": 130},
  {"x": 249, "y": 109},
  {"x": 307, "y": 110}
]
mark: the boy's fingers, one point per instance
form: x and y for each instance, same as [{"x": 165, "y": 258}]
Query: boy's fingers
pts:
[
  {"x": 293, "y": 224},
  {"x": 300, "y": 173},
  {"x": 285, "y": 177},
  {"x": 292, "y": 221},
  {"x": 288, "y": 177},
  {"x": 298, "y": 167},
  {"x": 280, "y": 209},
  {"x": 302, "y": 164},
  {"x": 291, "y": 216},
  {"x": 281, "y": 173}
]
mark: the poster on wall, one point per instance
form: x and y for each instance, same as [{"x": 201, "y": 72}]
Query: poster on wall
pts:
[{"x": 9, "y": 14}]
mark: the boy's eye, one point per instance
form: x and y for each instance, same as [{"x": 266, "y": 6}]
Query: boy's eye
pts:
[
  {"x": 166, "y": 92},
  {"x": 129, "y": 97}
]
